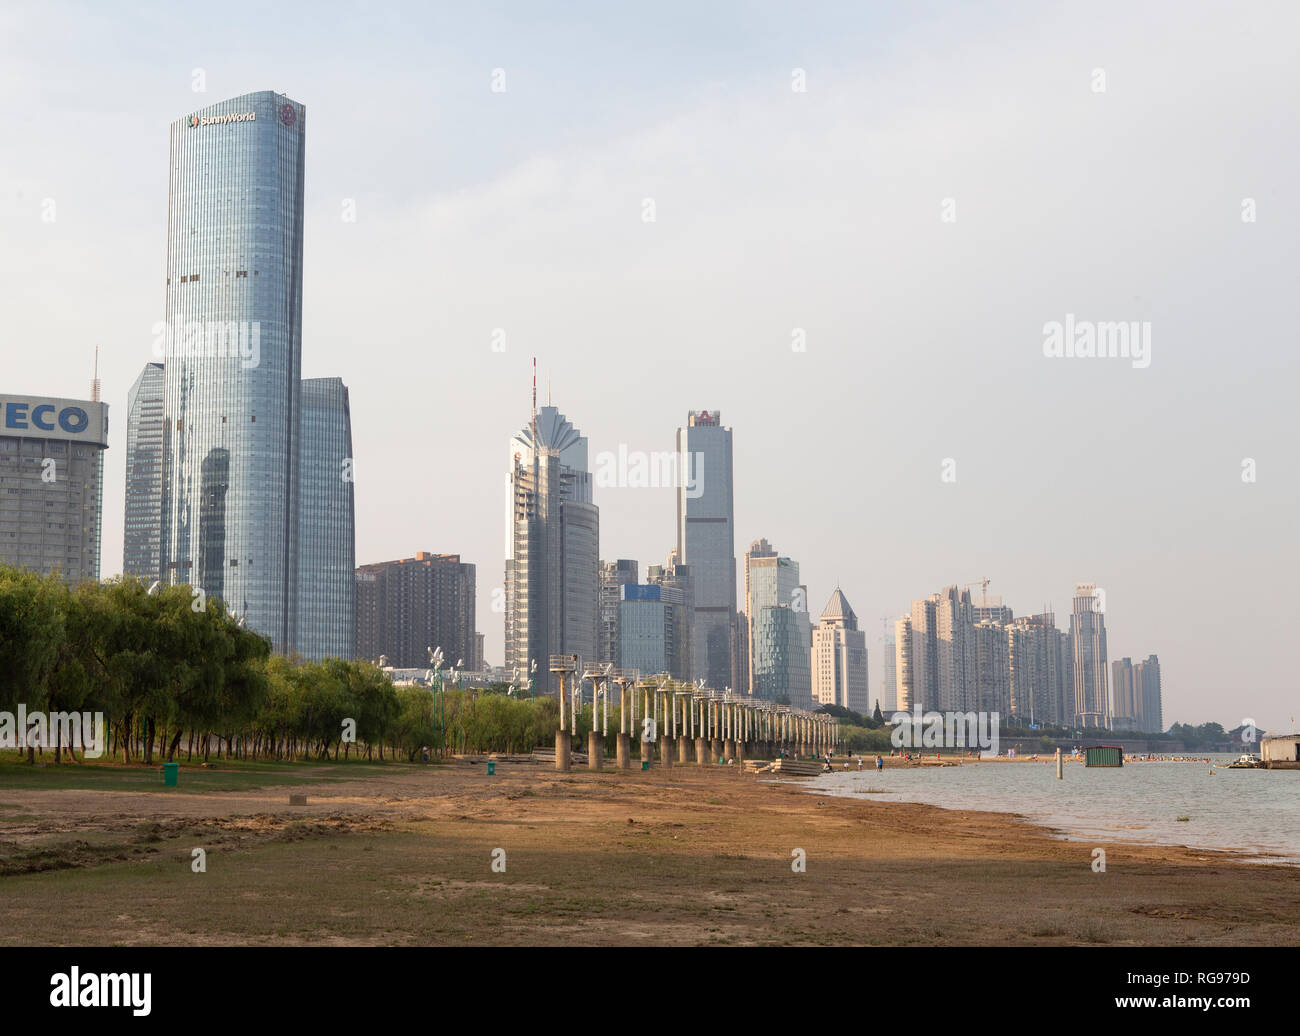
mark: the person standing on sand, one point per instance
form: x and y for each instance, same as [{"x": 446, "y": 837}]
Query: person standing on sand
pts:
[{"x": 880, "y": 763}]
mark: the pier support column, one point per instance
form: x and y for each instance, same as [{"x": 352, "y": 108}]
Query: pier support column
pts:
[
  {"x": 740, "y": 753},
  {"x": 595, "y": 750},
  {"x": 683, "y": 749},
  {"x": 701, "y": 751},
  {"x": 562, "y": 750},
  {"x": 666, "y": 748},
  {"x": 715, "y": 749},
  {"x": 624, "y": 751},
  {"x": 647, "y": 751},
  {"x": 729, "y": 749}
]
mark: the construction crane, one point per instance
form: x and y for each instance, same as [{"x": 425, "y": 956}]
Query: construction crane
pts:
[{"x": 984, "y": 588}]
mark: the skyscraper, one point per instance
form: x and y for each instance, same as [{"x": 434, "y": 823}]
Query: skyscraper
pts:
[
  {"x": 1036, "y": 677},
  {"x": 552, "y": 570},
  {"x": 839, "y": 657},
  {"x": 706, "y": 540},
  {"x": 232, "y": 360},
  {"x": 1125, "y": 709},
  {"x": 955, "y": 650},
  {"x": 1149, "y": 695},
  {"x": 326, "y": 613},
  {"x": 141, "y": 538},
  {"x": 888, "y": 700},
  {"x": 780, "y": 643},
  {"x": 923, "y": 678},
  {"x": 1088, "y": 634},
  {"x": 613, "y": 576},
  {"x": 905, "y": 692}
]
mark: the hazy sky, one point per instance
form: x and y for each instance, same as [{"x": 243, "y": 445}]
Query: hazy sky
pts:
[{"x": 775, "y": 210}]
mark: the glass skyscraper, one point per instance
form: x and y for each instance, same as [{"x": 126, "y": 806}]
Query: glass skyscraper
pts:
[
  {"x": 233, "y": 358},
  {"x": 706, "y": 540},
  {"x": 144, "y": 476},
  {"x": 326, "y": 537}
]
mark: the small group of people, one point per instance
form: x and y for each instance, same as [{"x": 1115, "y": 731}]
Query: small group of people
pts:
[{"x": 828, "y": 768}]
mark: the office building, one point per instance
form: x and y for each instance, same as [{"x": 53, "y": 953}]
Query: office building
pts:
[
  {"x": 552, "y": 570},
  {"x": 406, "y": 607},
  {"x": 839, "y": 658},
  {"x": 651, "y": 621},
  {"x": 706, "y": 540},
  {"x": 679, "y": 636},
  {"x": 232, "y": 358},
  {"x": 142, "y": 532},
  {"x": 326, "y": 615},
  {"x": 52, "y": 484},
  {"x": 780, "y": 642},
  {"x": 889, "y": 698},
  {"x": 1148, "y": 696}
]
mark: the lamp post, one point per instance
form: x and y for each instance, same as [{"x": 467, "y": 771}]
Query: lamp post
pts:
[{"x": 435, "y": 660}]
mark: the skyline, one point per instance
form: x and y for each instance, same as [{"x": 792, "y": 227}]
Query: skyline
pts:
[{"x": 895, "y": 530}]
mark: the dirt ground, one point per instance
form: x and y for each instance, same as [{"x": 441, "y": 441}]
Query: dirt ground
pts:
[{"x": 680, "y": 857}]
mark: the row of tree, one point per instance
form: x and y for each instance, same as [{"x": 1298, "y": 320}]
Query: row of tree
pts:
[{"x": 172, "y": 672}]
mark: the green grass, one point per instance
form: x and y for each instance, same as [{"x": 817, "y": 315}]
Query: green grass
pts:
[{"x": 226, "y": 775}]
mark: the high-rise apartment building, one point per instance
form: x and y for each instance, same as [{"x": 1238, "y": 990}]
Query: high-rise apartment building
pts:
[
  {"x": 1088, "y": 634},
  {"x": 1148, "y": 695},
  {"x": 552, "y": 548},
  {"x": 706, "y": 540},
  {"x": 955, "y": 650},
  {"x": 406, "y": 607},
  {"x": 889, "y": 696},
  {"x": 922, "y": 689},
  {"x": 52, "y": 484},
  {"x": 142, "y": 532},
  {"x": 326, "y": 615},
  {"x": 991, "y": 675},
  {"x": 1037, "y": 681},
  {"x": 839, "y": 657},
  {"x": 1124, "y": 706},
  {"x": 679, "y": 595}
]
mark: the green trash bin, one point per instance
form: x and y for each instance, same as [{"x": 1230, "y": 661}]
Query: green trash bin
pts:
[
  {"x": 645, "y": 764},
  {"x": 492, "y": 767},
  {"x": 171, "y": 774}
]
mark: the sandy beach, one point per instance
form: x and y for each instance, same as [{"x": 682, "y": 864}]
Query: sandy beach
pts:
[{"x": 405, "y": 855}]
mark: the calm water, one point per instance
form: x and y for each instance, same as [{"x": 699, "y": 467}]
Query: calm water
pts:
[{"x": 1253, "y": 810}]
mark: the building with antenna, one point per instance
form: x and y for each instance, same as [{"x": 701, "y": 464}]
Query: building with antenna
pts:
[{"x": 552, "y": 567}]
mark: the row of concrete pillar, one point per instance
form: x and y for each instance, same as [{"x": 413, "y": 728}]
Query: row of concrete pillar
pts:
[{"x": 693, "y": 724}]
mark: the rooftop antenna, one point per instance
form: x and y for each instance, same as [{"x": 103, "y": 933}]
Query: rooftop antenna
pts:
[
  {"x": 94, "y": 381},
  {"x": 534, "y": 404}
]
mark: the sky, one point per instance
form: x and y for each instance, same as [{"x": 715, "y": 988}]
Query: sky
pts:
[{"x": 865, "y": 219}]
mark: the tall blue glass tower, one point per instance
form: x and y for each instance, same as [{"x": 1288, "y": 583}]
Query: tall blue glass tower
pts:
[{"x": 232, "y": 363}]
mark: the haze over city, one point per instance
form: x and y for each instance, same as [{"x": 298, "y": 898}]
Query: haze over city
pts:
[{"x": 856, "y": 274}]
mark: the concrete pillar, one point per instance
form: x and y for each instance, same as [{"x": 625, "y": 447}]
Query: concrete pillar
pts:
[
  {"x": 624, "y": 751},
  {"x": 683, "y": 749},
  {"x": 562, "y": 750},
  {"x": 647, "y": 751},
  {"x": 740, "y": 753},
  {"x": 595, "y": 750},
  {"x": 715, "y": 749},
  {"x": 701, "y": 751},
  {"x": 666, "y": 750},
  {"x": 729, "y": 748}
]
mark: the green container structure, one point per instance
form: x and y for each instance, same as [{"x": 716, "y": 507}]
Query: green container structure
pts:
[
  {"x": 492, "y": 767},
  {"x": 1103, "y": 755},
  {"x": 645, "y": 765},
  {"x": 171, "y": 773}
]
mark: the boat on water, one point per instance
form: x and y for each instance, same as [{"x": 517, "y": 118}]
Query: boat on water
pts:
[{"x": 1245, "y": 762}]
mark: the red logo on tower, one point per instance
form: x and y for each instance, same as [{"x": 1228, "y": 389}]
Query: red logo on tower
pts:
[{"x": 288, "y": 115}]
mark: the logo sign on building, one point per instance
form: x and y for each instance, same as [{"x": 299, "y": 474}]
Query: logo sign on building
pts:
[
  {"x": 44, "y": 417},
  {"x": 221, "y": 120}
]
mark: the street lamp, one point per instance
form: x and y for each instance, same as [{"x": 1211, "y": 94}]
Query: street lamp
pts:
[{"x": 435, "y": 660}]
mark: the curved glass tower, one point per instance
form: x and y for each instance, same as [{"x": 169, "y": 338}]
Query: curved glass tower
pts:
[{"x": 233, "y": 357}]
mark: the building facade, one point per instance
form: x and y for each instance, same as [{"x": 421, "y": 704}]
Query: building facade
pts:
[
  {"x": 614, "y": 575},
  {"x": 780, "y": 643},
  {"x": 839, "y": 658},
  {"x": 52, "y": 484},
  {"x": 706, "y": 540},
  {"x": 406, "y": 607},
  {"x": 142, "y": 530},
  {"x": 1148, "y": 696},
  {"x": 652, "y": 622}
]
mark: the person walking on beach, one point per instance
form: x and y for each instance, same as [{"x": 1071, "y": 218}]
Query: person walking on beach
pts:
[{"x": 880, "y": 763}]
